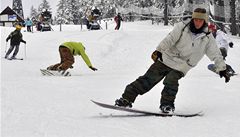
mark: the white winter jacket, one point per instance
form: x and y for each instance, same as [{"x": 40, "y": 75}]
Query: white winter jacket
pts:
[
  {"x": 181, "y": 50},
  {"x": 222, "y": 39}
]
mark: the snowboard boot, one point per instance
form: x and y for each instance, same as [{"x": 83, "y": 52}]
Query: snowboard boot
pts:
[
  {"x": 166, "y": 108},
  {"x": 123, "y": 103}
]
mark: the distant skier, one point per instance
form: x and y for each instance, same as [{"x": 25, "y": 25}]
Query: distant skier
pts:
[
  {"x": 28, "y": 23},
  {"x": 118, "y": 20},
  {"x": 15, "y": 39},
  {"x": 177, "y": 53},
  {"x": 67, "y": 52},
  {"x": 223, "y": 42}
]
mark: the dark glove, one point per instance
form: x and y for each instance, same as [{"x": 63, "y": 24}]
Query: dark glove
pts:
[
  {"x": 155, "y": 55},
  {"x": 92, "y": 68},
  {"x": 24, "y": 42},
  {"x": 231, "y": 45},
  {"x": 225, "y": 75}
]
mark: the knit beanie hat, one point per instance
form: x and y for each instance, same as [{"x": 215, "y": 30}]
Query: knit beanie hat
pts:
[
  {"x": 200, "y": 13},
  {"x": 18, "y": 27}
]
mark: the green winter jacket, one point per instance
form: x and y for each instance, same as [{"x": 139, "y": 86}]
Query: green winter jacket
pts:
[{"x": 77, "y": 48}]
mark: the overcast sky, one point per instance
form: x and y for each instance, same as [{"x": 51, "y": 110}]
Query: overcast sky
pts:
[{"x": 27, "y": 5}]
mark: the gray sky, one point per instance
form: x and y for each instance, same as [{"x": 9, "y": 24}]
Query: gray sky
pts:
[{"x": 27, "y": 5}]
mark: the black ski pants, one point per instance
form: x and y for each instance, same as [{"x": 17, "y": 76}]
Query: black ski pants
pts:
[
  {"x": 154, "y": 75},
  {"x": 11, "y": 49}
]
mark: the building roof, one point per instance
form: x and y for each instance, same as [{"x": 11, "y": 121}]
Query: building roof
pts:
[{"x": 9, "y": 11}]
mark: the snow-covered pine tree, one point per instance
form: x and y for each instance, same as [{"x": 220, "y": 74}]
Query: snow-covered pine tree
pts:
[
  {"x": 44, "y": 6},
  {"x": 33, "y": 14},
  {"x": 74, "y": 11},
  {"x": 61, "y": 16}
]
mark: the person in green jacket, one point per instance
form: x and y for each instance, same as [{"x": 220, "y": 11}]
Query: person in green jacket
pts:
[{"x": 67, "y": 52}]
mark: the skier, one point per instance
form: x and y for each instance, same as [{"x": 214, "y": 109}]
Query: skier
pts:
[
  {"x": 28, "y": 23},
  {"x": 223, "y": 42},
  {"x": 15, "y": 39},
  {"x": 67, "y": 50},
  {"x": 177, "y": 53},
  {"x": 118, "y": 20}
]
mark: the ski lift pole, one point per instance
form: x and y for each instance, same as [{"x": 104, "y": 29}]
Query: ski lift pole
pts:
[{"x": 106, "y": 25}]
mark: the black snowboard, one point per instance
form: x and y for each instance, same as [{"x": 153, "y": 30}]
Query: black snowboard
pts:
[{"x": 132, "y": 110}]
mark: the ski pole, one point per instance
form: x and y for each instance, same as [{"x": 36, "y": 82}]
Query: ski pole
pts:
[
  {"x": 6, "y": 47},
  {"x": 25, "y": 51}
]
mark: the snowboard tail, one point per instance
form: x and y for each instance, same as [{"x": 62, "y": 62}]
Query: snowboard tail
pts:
[{"x": 145, "y": 112}]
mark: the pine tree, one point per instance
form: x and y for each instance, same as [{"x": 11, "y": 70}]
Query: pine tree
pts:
[
  {"x": 73, "y": 11},
  {"x": 61, "y": 17},
  {"x": 33, "y": 14},
  {"x": 44, "y": 6}
]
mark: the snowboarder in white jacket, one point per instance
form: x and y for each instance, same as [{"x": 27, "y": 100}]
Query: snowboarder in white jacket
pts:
[
  {"x": 223, "y": 43},
  {"x": 222, "y": 39},
  {"x": 176, "y": 54}
]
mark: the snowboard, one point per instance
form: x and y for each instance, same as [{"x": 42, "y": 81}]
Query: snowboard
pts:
[
  {"x": 14, "y": 58},
  {"x": 147, "y": 113},
  {"x": 212, "y": 68},
  {"x": 46, "y": 72}
]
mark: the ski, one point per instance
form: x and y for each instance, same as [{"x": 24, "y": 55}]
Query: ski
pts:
[
  {"x": 147, "y": 113},
  {"x": 46, "y": 72}
]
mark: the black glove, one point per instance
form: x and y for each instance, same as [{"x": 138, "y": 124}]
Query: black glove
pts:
[
  {"x": 231, "y": 45},
  {"x": 92, "y": 68},
  {"x": 155, "y": 55},
  {"x": 24, "y": 42},
  {"x": 225, "y": 75}
]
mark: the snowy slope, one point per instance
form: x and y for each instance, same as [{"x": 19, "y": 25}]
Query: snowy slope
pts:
[{"x": 36, "y": 106}]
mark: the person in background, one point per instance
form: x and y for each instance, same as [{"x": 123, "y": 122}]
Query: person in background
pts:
[
  {"x": 15, "y": 39},
  {"x": 223, "y": 43},
  {"x": 118, "y": 20},
  {"x": 176, "y": 54},
  {"x": 28, "y": 23},
  {"x": 67, "y": 52}
]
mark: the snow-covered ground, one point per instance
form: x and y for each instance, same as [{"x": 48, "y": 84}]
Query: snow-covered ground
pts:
[{"x": 33, "y": 105}]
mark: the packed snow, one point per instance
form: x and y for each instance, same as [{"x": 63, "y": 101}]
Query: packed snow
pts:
[{"x": 33, "y": 105}]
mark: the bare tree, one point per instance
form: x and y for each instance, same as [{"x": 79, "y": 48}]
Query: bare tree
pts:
[
  {"x": 165, "y": 12},
  {"x": 233, "y": 17}
]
